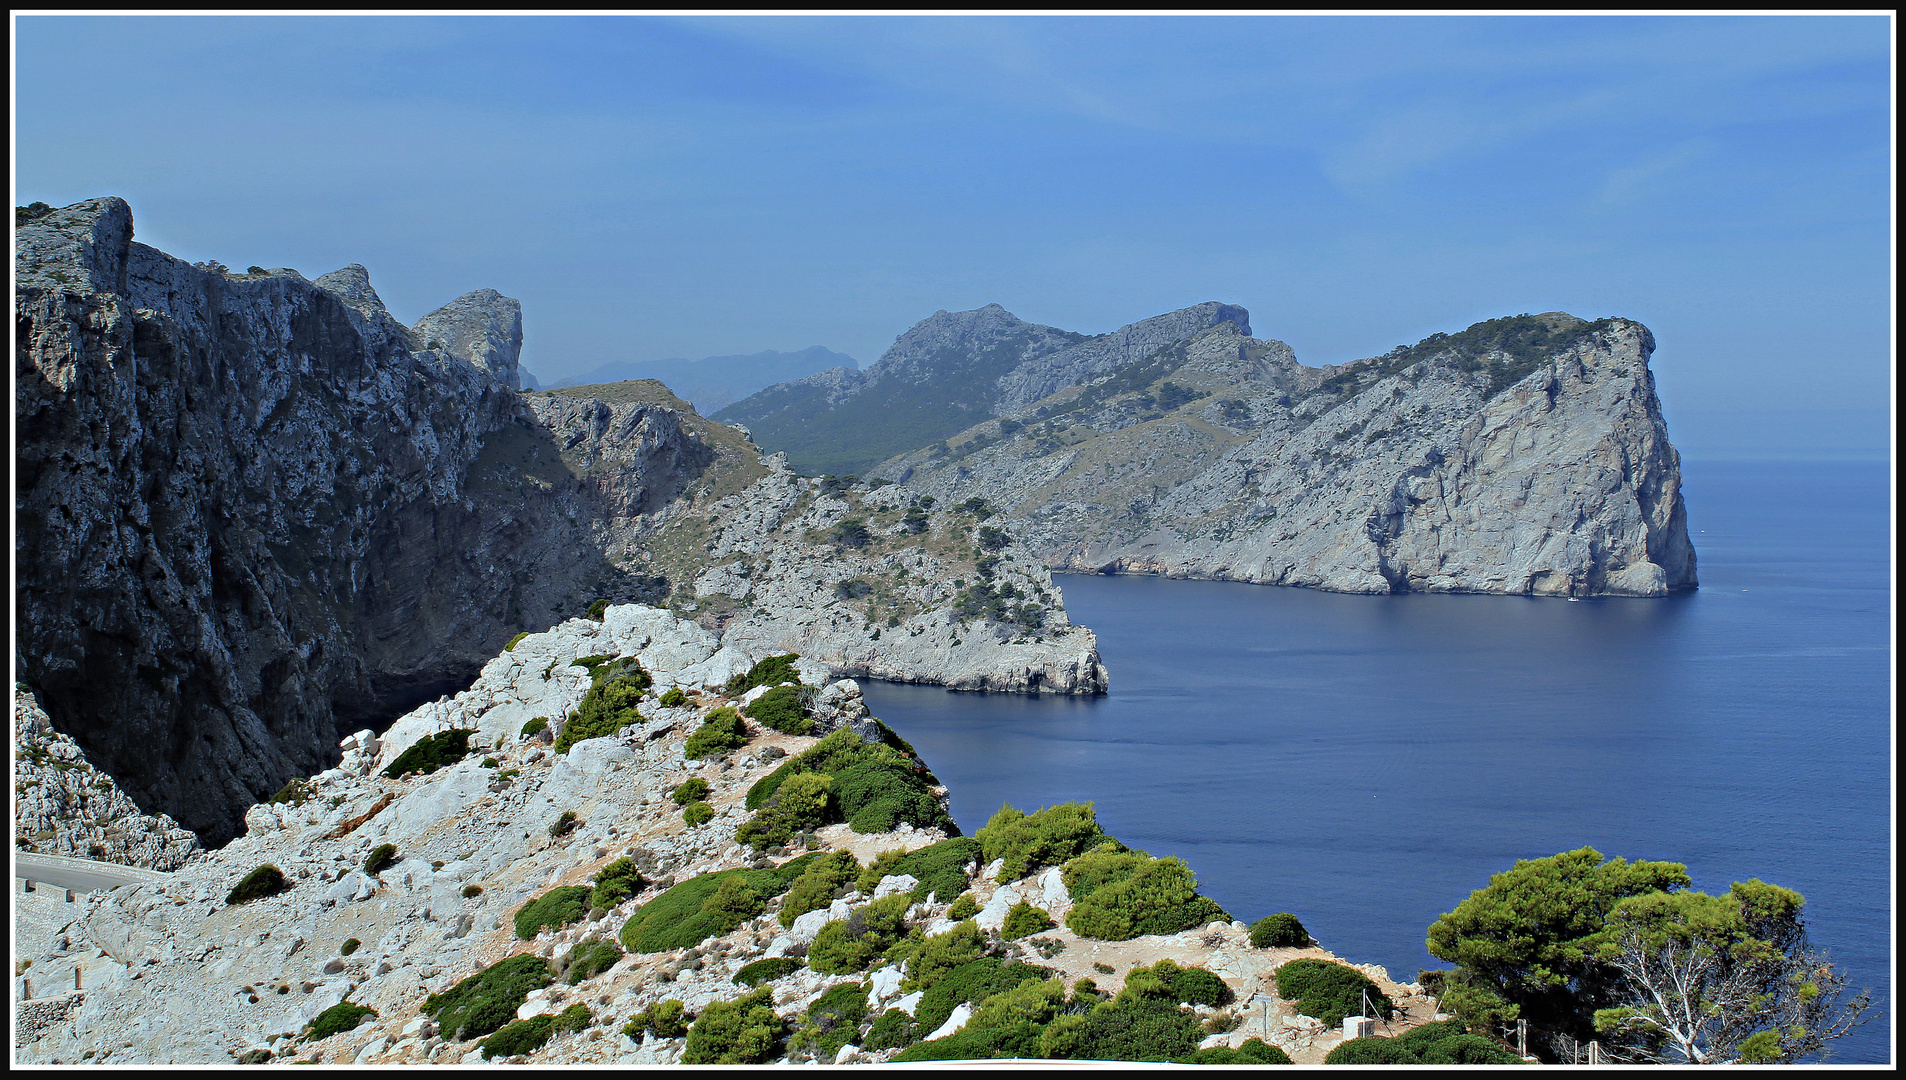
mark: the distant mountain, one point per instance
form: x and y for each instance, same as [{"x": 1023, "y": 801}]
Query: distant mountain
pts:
[
  {"x": 950, "y": 371},
  {"x": 714, "y": 382}
]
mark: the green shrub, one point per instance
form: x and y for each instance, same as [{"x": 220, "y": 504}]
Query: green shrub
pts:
[
  {"x": 265, "y": 881},
  {"x": 1048, "y": 837},
  {"x": 973, "y": 981},
  {"x": 771, "y": 671},
  {"x": 673, "y": 698},
  {"x": 609, "y": 705},
  {"x": 554, "y": 909},
  {"x": 1118, "y": 895},
  {"x": 1025, "y": 919},
  {"x": 588, "y": 959},
  {"x": 432, "y": 752},
  {"x": 615, "y": 883},
  {"x": 574, "y": 1018},
  {"x": 744, "y": 1031},
  {"x": 336, "y": 1020},
  {"x": 295, "y": 792},
  {"x": 489, "y": 763},
  {"x": 782, "y": 710},
  {"x": 350, "y": 946},
  {"x": 1329, "y": 991},
  {"x": 511, "y": 647},
  {"x": 1253, "y": 1052},
  {"x": 1167, "y": 981},
  {"x": 697, "y": 814},
  {"x": 565, "y": 823},
  {"x": 872, "y": 787},
  {"x": 519, "y": 1037},
  {"x": 682, "y": 917},
  {"x": 489, "y": 999},
  {"x": 471, "y": 892},
  {"x": 799, "y": 805},
  {"x": 964, "y": 907},
  {"x": 597, "y": 609},
  {"x": 694, "y": 789},
  {"x": 721, "y": 730},
  {"x": 380, "y": 859},
  {"x": 1132, "y": 1029},
  {"x": 845, "y": 946},
  {"x": 764, "y": 971},
  {"x": 831, "y": 1022},
  {"x": 535, "y": 725},
  {"x": 816, "y": 887},
  {"x": 941, "y": 953},
  {"x": 1279, "y": 931},
  {"x": 969, "y": 1044},
  {"x": 664, "y": 1019},
  {"x": 1468, "y": 1050},
  {"x": 1028, "y": 1003},
  {"x": 890, "y": 1029},
  {"x": 1371, "y": 1051}
]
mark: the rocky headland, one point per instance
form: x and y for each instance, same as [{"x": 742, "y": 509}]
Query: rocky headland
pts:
[
  {"x": 182, "y": 972},
  {"x": 1522, "y": 455}
]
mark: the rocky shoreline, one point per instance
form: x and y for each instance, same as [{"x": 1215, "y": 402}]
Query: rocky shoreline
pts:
[{"x": 174, "y": 973}]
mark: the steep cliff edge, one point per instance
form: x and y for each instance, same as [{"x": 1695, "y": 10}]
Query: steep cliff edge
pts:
[
  {"x": 1522, "y": 455},
  {"x": 255, "y": 511}
]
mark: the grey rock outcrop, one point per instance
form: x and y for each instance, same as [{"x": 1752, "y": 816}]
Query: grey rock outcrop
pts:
[
  {"x": 1465, "y": 464},
  {"x": 483, "y": 328},
  {"x": 66, "y": 807}
]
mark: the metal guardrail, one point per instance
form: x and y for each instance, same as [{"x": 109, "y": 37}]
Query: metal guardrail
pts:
[{"x": 81, "y": 875}]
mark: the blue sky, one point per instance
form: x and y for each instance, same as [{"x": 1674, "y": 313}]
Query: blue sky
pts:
[{"x": 658, "y": 187}]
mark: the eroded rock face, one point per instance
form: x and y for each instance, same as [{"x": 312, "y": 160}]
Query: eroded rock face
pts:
[
  {"x": 1548, "y": 473},
  {"x": 250, "y": 515}
]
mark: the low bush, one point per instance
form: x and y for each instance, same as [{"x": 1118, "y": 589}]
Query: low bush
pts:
[
  {"x": 535, "y": 725},
  {"x": 1253, "y": 1052},
  {"x": 265, "y": 881},
  {"x": 1024, "y": 919},
  {"x": 1279, "y": 931},
  {"x": 1047, "y": 837},
  {"x": 797, "y": 806},
  {"x": 588, "y": 959},
  {"x": 432, "y": 752},
  {"x": 554, "y": 909},
  {"x": 694, "y": 789},
  {"x": 519, "y": 1037},
  {"x": 721, "y": 730},
  {"x": 565, "y": 823},
  {"x": 1126, "y": 1029},
  {"x": 471, "y": 892},
  {"x": 598, "y": 609},
  {"x": 970, "y": 1044},
  {"x": 1167, "y": 981},
  {"x": 831, "y": 1022},
  {"x": 1329, "y": 991},
  {"x": 489, "y": 999},
  {"x": 1441, "y": 1043},
  {"x": 973, "y": 981},
  {"x": 890, "y": 1029},
  {"x": 845, "y": 946},
  {"x": 489, "y": 763},
  {"x": 697, "y": 814},
  {"x": 873, "y": 787},
  {"x": 664, "y": 1019},
  {"x": 1371, "y": 1051},
  {"x": 615, "y": 883},
  {"x": 511, "y": 647},
  {"x": 942, "y": 953},
  {"x": 609, "y": 705},
  {"x": 772, "y": 671},
  {"x": 350, "y": 946},
  {"x": 764, "y": 971},
  {"x": 574, "y": 1018},
  {"x": 831, "y": 873},
  {"x": 673, "y": 698},
  {"x": 1118, "y": 895},
  {"x": 690, "y": 912},
  {"x": 295, "y": 792},
  {"x": 337, "y": 1019},
  {"x": 380, "y": 859},
  {"x": 964, "y": 907},
  {"x": 744, "y": 1031},
  {"x": 781, "y": 709}
]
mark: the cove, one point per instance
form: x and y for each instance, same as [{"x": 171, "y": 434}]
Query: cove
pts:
[{"x": 1367, "y": 761}]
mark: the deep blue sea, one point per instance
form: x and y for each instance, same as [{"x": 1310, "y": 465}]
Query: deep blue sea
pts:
[{"x": 1367, "y": 761}]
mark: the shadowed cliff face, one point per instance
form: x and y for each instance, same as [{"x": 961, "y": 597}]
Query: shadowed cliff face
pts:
[{"x": 253, "y": 512}]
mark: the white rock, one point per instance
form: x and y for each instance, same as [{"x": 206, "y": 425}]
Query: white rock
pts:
[
  {"x": 895, "y": 883},
  {"x": 953, "y": 1023},
  {"x": 993, "y": 915},
  {"x": 909, "y": 1002},
  {"x": 884, "y": 983}
]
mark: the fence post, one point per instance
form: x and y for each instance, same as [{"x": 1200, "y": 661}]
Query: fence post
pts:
[
  {"x": 1594, "y": 1052},
  {"x": 1522, "y": 1037}
]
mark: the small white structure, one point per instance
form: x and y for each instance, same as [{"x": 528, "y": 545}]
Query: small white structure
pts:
[{"x": 1358, "y": 1027}]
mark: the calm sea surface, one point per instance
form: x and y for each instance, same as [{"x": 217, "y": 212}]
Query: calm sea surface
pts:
[{"x": 1368, "y": 761}]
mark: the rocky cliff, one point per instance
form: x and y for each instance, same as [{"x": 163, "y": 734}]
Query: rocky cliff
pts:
[
  {"x": 255, "y": 510},
  {"x": 1522, "y": 455}
]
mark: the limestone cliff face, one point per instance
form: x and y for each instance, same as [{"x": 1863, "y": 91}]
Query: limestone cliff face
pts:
[
  {"x": 1525, "y": 455},
  {"x": 252, "y": 510}
]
